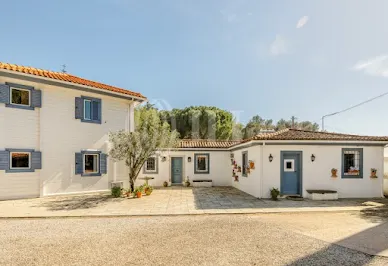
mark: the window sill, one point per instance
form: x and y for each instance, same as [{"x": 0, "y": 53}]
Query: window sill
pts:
[
  {"x": 91, "y": 121},
  {"x": 20, "y": 170},
  {"x": 351, "y": 177},
  {"x": 201, "y": 173},
  {"x": 150, "y": 172},
  {"x": 25, "y": 107},
  {"x": 95, "y": 174}
]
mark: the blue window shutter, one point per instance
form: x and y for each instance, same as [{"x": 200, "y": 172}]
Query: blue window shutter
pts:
[
  {"x": 4, "y": 160},
  {"x": 79, "y": 167},
  {"x": 79, "y": 108},
  {"x": 36, "y": 160},
  {"x": 96, "y": 110},
  {"x": 103, "y": 163},
  {"x": 4, "y": 93},
  {"x": 36, "y": 98}
]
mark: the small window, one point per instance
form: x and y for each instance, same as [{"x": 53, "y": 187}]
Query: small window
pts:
[
  {"x": 352, "y": 163},
  {"x": 289, "y": 165},
  {"x": 151, "y": 164},
  {"x": 92, "y": 110},
  {"x": 245, "y": 163},
  {"x": 91, "y": 163},
  {"x": 20, "y": 160},
  {"x": 20, "y": 96},
  {"x": 201, "y": 164}
]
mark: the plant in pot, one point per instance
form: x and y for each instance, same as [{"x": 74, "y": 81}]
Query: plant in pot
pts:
[
  {"x": 128, "y": 192},
  {"x": 165, "y": 184},
  {"x": 116, "y": 192},
  {"x": 138, "y": 191},
  {"x": 187, "y": 182},
  {"x": 334, "y": 172},
  {"x": 148, "y": 189},
  {"x": 373, "y": 173},
  {"x": 236, "y": 178},
  {"x": 275, "y": 193}
]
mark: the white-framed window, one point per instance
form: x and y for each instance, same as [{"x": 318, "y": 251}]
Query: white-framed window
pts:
[
  {"x": 20, "y": 96},
  {"x": 91, "y": 163},
  {"x": 201, "y": 163},
  {"x": 92, "y": 109},
  {"x": 20, "y": 160},
  {"x": 289, "y": 165}
]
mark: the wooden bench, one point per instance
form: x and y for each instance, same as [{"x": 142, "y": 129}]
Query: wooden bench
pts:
[
  {"x": 202, "y": 183},
  {"x": 322, "y": 194}
]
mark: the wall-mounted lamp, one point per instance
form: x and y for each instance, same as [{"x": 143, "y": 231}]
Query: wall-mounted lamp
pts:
[
  {"x": 312, "y": 157},
  {"x": 189, "y": 159},
  {"x": 270, "y": 157},
  {"x": 231, "y": 155},
  {"x": 163, "y": 158}
]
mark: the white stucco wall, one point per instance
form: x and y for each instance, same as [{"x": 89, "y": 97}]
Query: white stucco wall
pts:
[
  {"x": 385, "y": 174},
  {"x": 220, "y": 172},
  {"x": 55, "y": 132},
  {"x": 317, "y": 174}
]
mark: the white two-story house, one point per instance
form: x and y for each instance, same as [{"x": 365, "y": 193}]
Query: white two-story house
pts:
[{"x": 54, "y": 132}]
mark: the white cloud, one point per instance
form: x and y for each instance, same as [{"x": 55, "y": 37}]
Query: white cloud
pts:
[
  {"x": 278, "y": 46},
  {"x": 302, "y": 21},
  {"x": 377, "y": 66}
]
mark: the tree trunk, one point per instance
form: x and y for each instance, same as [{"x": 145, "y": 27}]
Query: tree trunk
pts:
[{"x": 131, "y": 183}]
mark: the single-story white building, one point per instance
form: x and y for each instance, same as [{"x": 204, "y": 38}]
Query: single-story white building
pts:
[{"x": 292, "y": 160}]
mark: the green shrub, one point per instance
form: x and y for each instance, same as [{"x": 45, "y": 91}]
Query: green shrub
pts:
[{"x": 116, "y": 192}]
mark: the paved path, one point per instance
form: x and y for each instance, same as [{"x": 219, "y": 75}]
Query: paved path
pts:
[
  {"x": 170, "y": 201},
  {"x": 176, "y": 240}
]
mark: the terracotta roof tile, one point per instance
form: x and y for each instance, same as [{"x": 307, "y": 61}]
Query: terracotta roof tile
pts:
[
  {"x": 296, "y": 134},
  {"x": 202, "y": 143},
  {"x": 68, "y": 78}
]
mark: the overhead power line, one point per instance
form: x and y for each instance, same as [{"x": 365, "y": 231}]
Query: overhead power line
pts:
[{"x": 349, "y": 108}]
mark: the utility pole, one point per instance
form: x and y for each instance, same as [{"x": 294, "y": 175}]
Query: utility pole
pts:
[{"x": 323, "y": 119}]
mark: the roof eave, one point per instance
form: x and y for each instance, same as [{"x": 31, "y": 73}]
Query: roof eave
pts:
[{"x": 122, "y": 95}]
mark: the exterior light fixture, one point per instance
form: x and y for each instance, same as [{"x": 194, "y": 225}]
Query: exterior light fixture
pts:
[
  {"x": 231, "y": 155},
  {"x": 163, "y": 158},
  {"x": 189, "y": 159},
  {"x": 312, "y": 157},
  {"x": 270, "y": 157}
]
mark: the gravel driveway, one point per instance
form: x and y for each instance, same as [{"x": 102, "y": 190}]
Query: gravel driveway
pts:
[{"x": 178, "y": 240}]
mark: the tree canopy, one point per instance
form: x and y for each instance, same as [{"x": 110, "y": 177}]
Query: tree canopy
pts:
[
  {"x": 151, "y": 134},
  {"x": 208, "y": 122}
]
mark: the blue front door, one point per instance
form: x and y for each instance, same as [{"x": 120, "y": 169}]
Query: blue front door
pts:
[
  {"x": 176, "y": 170},
  {"x": 291, "y": 173}
]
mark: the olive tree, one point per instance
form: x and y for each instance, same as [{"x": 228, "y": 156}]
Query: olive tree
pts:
[{"x": 150, "y": 135}]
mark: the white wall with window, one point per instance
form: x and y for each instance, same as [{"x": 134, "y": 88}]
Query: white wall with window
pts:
[
  {"x": 54, "y": 129},
  {"x": 217, "y": 164}
]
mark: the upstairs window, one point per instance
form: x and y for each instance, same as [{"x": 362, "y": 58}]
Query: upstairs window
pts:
[
  {"x": 20, "y": 96},
  {"x": 88, "y": 109},
  {"x": 201, "y": 163},
  {"x": 352, "y": 163}
]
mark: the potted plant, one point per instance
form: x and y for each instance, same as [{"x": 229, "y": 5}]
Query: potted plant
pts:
[
  {"x": 116, "y": 192},
  {"x": 187, "y": 182},
  {"x": 128, "y": 192},
  {"x": 275, "y": 193},
  {"x": 165, "y": 184},
  {"x": 334, "y": 172},
  {"x": 373, "y": 172},
  {"x": 148, "y": 189},
  {"x": 138, "y": 191},
  {"x": 235, "y": 178}
]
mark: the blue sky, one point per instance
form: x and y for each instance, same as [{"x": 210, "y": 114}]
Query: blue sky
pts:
[{"x": 272, "y": 58}]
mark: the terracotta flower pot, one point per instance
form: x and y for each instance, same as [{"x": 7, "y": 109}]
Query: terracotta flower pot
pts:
[
  {"x": 333, "y": 173},
  {"x": 138, "y": 194},
  {"x": 373, "y": 174}
]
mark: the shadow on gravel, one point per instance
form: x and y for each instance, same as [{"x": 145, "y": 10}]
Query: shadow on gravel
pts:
[
  {"x": 78, "y": 202},
  {"x": 362, "y": 247}
]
